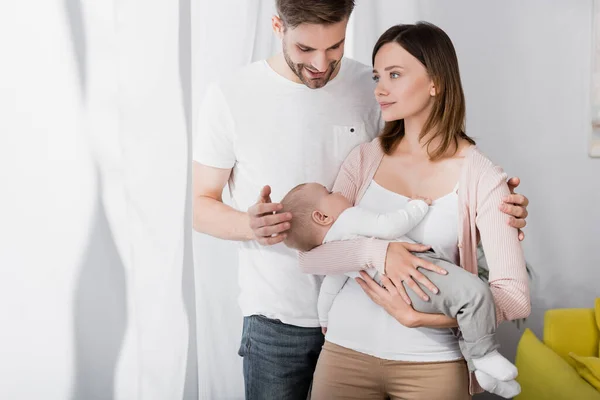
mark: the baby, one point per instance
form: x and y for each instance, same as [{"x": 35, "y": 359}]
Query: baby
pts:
[{"x": 320, "y": 216}]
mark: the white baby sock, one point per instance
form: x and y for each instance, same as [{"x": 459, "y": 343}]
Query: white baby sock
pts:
[
  {"x": 508, "y": 389},
  {"x": 496, "y": 365}
]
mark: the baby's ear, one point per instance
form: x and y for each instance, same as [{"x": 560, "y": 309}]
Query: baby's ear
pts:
[{"x": 321, "y": 219}]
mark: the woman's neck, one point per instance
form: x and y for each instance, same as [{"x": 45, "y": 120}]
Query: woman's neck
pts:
[{"x": 412, "y": 143}]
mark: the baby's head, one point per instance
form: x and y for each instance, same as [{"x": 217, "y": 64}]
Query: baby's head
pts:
[{"x": 314, "y": 210}]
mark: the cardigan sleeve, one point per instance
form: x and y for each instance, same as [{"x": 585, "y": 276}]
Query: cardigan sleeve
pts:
[{"x": 507, "y": 272}]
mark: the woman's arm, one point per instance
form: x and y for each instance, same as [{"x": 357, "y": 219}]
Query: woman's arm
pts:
[
  {"x": 504, "y": 255},
  {"x": 339, "y": 257}
]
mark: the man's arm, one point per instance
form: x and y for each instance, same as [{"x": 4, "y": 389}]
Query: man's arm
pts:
[
  {"x": 214, "y": 218},
  {"x": 211, "y": 216}
]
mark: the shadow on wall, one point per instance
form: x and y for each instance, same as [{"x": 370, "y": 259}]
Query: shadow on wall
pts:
[
  {"x": 78, "y": 39},
  {"x": 100, "y": 316},
  {"x": 100, "y": 301}
]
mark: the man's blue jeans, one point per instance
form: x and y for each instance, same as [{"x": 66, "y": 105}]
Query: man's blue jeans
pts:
[{"x": 279, "y": 359}]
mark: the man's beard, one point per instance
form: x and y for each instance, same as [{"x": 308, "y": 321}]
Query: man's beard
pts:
[{"x": 315, "y": 83}]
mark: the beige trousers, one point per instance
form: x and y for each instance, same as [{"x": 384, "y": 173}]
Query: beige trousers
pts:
[{"x": 342, "y": 373}]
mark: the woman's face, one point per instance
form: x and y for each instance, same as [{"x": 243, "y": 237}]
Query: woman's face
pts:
[{"x": 404, "y": 89}]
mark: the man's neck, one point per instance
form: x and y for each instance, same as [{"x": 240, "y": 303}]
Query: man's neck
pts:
[{"x": 280, "y": 66}]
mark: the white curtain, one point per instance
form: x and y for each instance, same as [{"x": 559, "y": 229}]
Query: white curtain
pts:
[
  {"x": 94, "y": 143},
  {"x": 47, "y": 182},
  {"x": 141, "y": 142}
]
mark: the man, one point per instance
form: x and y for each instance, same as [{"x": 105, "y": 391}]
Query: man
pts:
[{"x": 284, "y": 121}]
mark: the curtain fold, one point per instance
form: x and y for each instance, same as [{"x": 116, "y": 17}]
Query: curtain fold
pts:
[{"x": 93, "y": 142}]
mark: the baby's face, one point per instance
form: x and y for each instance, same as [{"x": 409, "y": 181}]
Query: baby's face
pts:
[{"x": 329, "y": 203}]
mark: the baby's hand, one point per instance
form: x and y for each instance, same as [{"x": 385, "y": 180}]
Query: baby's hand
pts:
[{"x": 425, "y": 199}]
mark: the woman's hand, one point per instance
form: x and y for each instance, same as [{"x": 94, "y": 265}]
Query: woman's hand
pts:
[
  {"x": 401, "y": 266},
  {"x": 389, "y": 298},
  {"x": 515, "y": 205}
]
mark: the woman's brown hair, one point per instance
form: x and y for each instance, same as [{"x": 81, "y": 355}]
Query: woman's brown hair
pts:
[{"x": 434, "y": 49}]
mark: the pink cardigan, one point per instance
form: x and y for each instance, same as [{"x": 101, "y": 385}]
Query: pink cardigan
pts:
[{"x": 482, "y": 185}]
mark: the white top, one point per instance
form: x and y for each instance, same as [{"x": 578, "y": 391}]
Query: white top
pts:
[
  {"x": 358, "y": 323},
  {"x": 357, "y": 221},
  {"x": 275, "y": 132}
]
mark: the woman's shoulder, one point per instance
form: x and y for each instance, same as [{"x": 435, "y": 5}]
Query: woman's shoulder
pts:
[
  {"x": 478, "y": 160},
  {"x": 365, "y": 152},
  {"x": 481, "y": 167},
  {"x": 372, "y": 148}
]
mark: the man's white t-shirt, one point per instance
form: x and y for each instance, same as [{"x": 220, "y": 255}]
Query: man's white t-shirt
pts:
[{"x": 272, "y": 131}]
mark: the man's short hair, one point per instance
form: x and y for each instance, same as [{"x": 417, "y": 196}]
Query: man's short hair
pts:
[{"x": 321, "y": 12}]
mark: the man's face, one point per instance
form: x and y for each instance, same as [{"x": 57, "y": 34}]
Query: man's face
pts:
[{"x": 313, "y": 52}]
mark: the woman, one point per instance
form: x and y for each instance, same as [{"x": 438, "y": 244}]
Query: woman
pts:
[{"x": 384, "y": 348}]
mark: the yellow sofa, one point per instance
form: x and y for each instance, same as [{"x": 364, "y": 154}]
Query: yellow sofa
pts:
[{"x": 546, "y": 371}]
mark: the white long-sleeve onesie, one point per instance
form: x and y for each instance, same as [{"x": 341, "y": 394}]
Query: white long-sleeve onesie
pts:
[{"x": 356, "y": 221}]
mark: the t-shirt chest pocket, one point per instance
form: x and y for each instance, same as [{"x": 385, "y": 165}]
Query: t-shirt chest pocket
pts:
[{"x": 347, "y": 137}]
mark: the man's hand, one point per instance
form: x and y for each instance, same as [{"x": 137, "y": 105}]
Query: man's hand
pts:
[
  {"x": 515, "y": 205},
  {"x": 266, "y": 225},
  {"x": 401, "y": 266}
]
